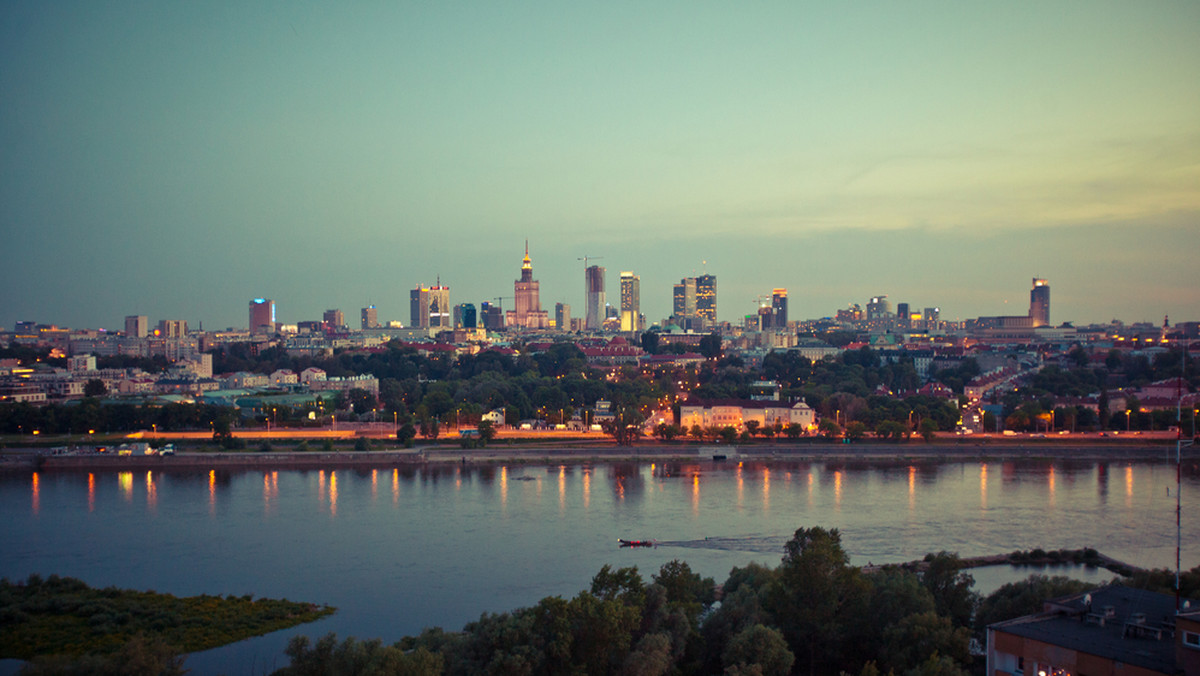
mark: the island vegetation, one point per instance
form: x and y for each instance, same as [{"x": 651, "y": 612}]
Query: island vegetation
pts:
[{"x": 65, "y": 626}]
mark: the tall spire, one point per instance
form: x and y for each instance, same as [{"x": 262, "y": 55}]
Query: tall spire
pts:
[{"x": 526, "y": 264}]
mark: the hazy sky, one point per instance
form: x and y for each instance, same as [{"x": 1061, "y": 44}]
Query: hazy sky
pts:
[{"x": 177, "y": 159}]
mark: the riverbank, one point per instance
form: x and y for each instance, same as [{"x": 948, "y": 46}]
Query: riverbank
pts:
[{"x": 500, "y": 453}]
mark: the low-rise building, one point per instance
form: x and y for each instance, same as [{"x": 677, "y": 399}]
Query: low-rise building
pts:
[
  {"x": 737, "y": 412},
  {"x": 1108, "y": 631}
]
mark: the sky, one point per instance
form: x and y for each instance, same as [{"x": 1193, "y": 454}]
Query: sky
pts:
[{"x": 176, "y": 160}]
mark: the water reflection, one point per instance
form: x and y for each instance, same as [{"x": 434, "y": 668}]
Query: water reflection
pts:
[
  {"x": 562, "y": 490},
  {"x": 837, "y": 490},
  {"x": 587, "y": 488},
  {"x": 1102, "y": 482},
  {"x": 37, "y": 493},
  {"x": 983, "y": 486},
  {"x": 374, "y": 484},
  {"x": 766, "y": 489},
  {"x": 333, "y": 494},
  {"x": 212, "y": 491},
  {"x": 503, "y": 487},
  {"x": 151, "y": 492},
  {"x": 125, "y": 481},
  {"x": 395, "y": 486},
  {"x": 741, "y": 486},
  {"x": 1052, "y": 493},
  {"x": 912, "y": 488},
  {"x": 91, "y": 492}
]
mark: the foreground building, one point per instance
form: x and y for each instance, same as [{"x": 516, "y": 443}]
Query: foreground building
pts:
[
  {"x": 736, "y": 413},
  {"x": 1108, "y": 631}
]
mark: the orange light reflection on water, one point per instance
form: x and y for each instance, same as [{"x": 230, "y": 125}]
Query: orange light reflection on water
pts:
[
  {"x": 1050, "y": 486},
  {"x": 912, "y": 488},
  {"x": 1128, "y": 485},
  {"x": 741, "y": 486},
  {"x": 587, "y": 488},
  {"x": 212, "y": 491},
  {"x": 395, "y": 486},
  {"x": 374, "y": 484},
  {"x": 837, "y": 490},
  {"x": 37, "y": 493},
  {"x": 983, "y": 485},
  {"x": 562, "y": 489},
  {"x": 503, "y": 486},
  {"x": 333, "y": 493},
  {"x": 91, "y": 492},
  {"x": 695, "y": 494},
  {"x": 125, "y": 481},
  {"x": 151, "y": 491},
  {"x": 766, "y": 489}
]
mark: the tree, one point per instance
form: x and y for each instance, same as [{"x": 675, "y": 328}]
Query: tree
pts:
[
  {"x": 710, "y": 346},
  {"x": 1025, "y": 597},
  {"x": 405, "y": 434},
  {"x": 94, "y": 387},
  {"x": 360, "y": 400},
  {"x": 666, "y": 431},
  {"x": 762, "y": 647},
  {"x": 625, "y": 426},
  {"x": 950, "y": 587},
  {"x": 487, "y": 431},
  {"x": 819, "y": 600},
  {"x": 728, "y": 434},
  {"x": 928, "y": 430},
  {"x": 856, "y": 430},
  {"x": 752, "y": 427},
  {"x": 793, "y": 431},
  {"x": 829, "y": 429}
]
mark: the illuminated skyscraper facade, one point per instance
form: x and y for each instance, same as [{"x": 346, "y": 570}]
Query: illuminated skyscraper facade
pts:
[
  {"x": 1039, "y": 303},
  {"x": 684, "y": 298},
  {"x": 562, "y": 316},
  {"x": 631, "y": 301},
  {"x": 370, "y": 317},
  {"x": 262, "y": 315},
  {"x": 429, "y": 306},
  {"x": 779, "y": 307},
  {"x": 334, "y": 319},
  {"x": 706, "y": 298},
  {"x": 594, "y": 286}
]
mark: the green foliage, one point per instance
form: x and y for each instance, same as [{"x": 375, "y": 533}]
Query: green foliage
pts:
[
  {"x": 1025, "y": 597},
  {"x": 64, "y": 616},
  {"x": 762, "y": 647}
]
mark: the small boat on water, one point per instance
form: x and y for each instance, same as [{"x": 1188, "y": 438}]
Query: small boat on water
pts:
[{"x": 636, "y": 543}]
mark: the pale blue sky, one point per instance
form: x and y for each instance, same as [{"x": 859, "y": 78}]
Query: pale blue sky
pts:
[{"x": 178, "y": 159}]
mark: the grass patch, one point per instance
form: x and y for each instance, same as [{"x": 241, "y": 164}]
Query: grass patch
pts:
[{"x": 64, "y": 616}]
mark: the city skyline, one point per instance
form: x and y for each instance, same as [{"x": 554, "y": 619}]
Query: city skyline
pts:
[{"x": 175, "y": 162}]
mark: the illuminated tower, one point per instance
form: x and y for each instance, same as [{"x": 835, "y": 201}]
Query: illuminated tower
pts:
[
  {"x": 684, "y": 298},
  {"x": 429, "y": 306},
  {"x": 631, "y": 301},
  {"x": 594, "y": 285},
  {"x": 706, "y": 298},
  {"x": 1039, "y": 303},
  {"x": 528, "y": 313},
  {"x": 779, "y": 305},
  {"x": 262, "y": 315},
  {"x": 370, "y": 317}
]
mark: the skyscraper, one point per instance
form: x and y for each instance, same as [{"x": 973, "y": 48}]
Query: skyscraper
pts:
[
  {"x": 631, "y": 301},
  {"x": 262, "y": 315},
  {"x": 594, "y": 285},
  {"x": 879, "y": 308},
  {"x": 137, "y": 326},
  {"x": 334, "y": 319},
  {"x": 464, "y": 316},
  {"x": 370, "y": 317},
  {"x": 562, "y": 316},
  {"x": 528, "y": 313},
  {"x": 429, "y": 306},
  {"x": 684, "y": 298},
  {"x": 779, "y": 305},
  {"x": 1039, "y": 303},
  {"x": 706, "y": 298}
]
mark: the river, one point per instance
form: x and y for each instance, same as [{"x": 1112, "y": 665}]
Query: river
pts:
[{"x": 400, "y": 550}]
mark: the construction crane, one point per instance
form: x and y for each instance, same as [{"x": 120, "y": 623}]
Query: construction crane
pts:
[
  {"x": 499, "y": 300},
  {"x": 585, "y": 259}
]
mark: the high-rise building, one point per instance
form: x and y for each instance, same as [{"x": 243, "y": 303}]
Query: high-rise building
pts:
[
  {"x": 464, "y": 316},
  {"x": 491, "y": 316},
  {"x": 429, "y": 306},
  {"x": 137, "y": 326},
  {"x": 172, "y": 328},
  {"x": 562, "y": 316},
  {"x": 779, "y": 305},
  {"x": 684, "y": 298},
  {"x": 262, "y": 315},
  {"x": 932, "y": 316},
  {"x": 1039, "y": 303},
  {"x": 879, "y": 308},
  {"x": 631, "y": 301},
  {"x": 370, "y": 317},
  {"x": 902, "y": 315},
  {"x": 528, "y": 313},
  {"x": 706, "y": 298},
  {"x": 594, "y": 285},
  {"x": 334, "y": 319}
]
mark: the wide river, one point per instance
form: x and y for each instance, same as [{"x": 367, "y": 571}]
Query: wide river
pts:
[{"x": 399, "y": 550}]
